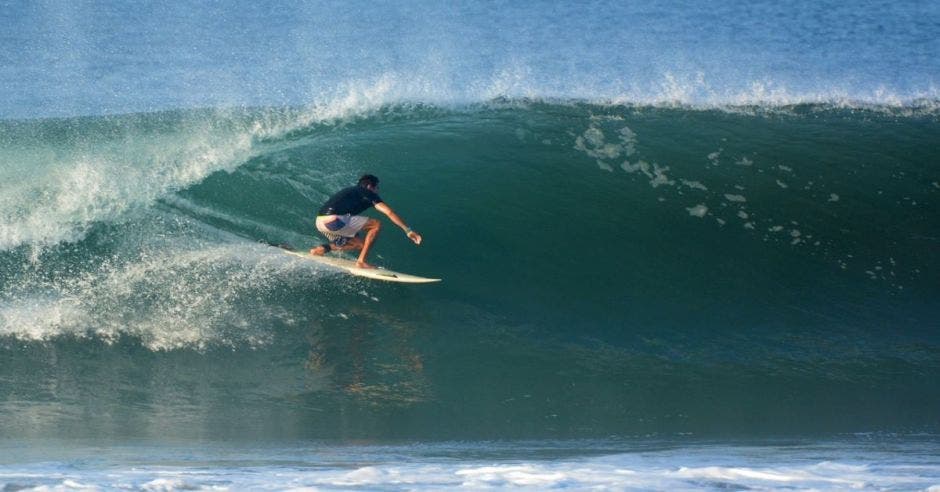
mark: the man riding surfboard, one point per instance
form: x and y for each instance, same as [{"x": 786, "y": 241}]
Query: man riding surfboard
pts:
[{"x": 339, "y": 221}]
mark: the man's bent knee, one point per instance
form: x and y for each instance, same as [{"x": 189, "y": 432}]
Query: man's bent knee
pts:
[{"x": 352, "y": 243}]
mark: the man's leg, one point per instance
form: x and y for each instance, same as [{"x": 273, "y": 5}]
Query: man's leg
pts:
[
  {"x": 351, "y": 243},
  {"x": 372, "y": 231}
]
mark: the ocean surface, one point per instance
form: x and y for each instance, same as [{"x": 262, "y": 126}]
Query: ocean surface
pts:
[{"x": 685, "y": 246}]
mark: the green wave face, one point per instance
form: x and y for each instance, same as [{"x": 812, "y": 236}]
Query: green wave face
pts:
[{"x": 608, "y": 270}]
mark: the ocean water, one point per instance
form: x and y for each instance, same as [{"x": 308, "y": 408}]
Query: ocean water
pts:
[
  {"x": 685, "y": 245},
  {"x": 854, "y": 464}
]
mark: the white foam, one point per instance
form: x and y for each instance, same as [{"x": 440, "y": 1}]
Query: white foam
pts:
[
  {"x": 434, "y": 467},
  {"x": 659, "y": 177},
  {"x": 797, "y": 236},
  {"x": 514, "y": 475},
  {"x": 628, "y": 137},
  {"x": 605, "y": 166},
  {"x": 41, "y": 318},
  {"x": 713, "y": 157},
  {"x": 641, "y": 166},
  {"x": 593, "y": 142},
  {"x": 167, "y": 485},
  {"x": 698, "y": 211},
  {"x": 85, "y": 188},
  {"x": 168, "y": 299}
]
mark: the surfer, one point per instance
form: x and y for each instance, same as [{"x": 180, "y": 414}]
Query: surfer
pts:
[{"x": 339, "y": 221}]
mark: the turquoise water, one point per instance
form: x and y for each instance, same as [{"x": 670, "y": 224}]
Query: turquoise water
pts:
[
  {"x": 680, "y": 249},
  {"x": 608, "y": 271}
]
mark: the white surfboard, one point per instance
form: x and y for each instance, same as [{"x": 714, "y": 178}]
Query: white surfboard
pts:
[{"x": 373, "y": 273}]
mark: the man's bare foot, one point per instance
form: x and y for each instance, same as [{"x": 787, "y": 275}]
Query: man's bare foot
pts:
[
  {"x": 318, "y": 251},
  {"x": 362, "y": 264}
]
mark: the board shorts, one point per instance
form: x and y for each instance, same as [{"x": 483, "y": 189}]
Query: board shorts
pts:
[{"x": 339, "y": 228}]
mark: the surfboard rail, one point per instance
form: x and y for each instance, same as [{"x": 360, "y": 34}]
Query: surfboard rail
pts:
[{"x": 373, "y": 273}]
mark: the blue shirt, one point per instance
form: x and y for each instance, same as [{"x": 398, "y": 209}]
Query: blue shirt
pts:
[{"x": 353, "y": 200}]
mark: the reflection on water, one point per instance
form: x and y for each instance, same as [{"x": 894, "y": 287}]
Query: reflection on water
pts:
[{"x": 368, "y": 355}]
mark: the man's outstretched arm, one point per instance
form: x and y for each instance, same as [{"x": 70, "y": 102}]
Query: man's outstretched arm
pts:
[{"x": 385, "y": 209}]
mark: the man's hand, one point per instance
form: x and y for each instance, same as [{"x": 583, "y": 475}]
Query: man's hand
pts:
[{"x": 385, "y": 209}]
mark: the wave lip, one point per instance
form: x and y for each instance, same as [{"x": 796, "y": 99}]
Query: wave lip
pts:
[{"x": 97, "y": 179}]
